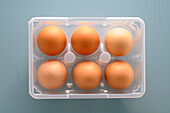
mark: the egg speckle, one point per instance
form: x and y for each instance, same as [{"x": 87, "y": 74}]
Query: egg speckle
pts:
[
  {"x": 119, "y": 41},
  {"x": 87, "y": 75},
  {"x": 51, "y": 40},
  {"x": 119, "y": 75},
  {"x": 52, "y": 74},
  {"x": 85, "y": 40}
]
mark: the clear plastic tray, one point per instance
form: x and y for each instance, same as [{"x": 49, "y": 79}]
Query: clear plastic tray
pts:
[{"x": 136, "y": 58}]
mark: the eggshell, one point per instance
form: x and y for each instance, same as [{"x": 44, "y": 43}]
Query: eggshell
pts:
[
  {"x": 52, "y": 74},
  {"x": 87, "y": 75},
  {"x": 119, "y": 41},
  {"x": 51, "y": 40},
  {"x": 85, "y": 40},
  {"x": 119, "y": 75}
]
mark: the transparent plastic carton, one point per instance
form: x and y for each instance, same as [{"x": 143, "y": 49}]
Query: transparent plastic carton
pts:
[{"x": 136, "y": 58}]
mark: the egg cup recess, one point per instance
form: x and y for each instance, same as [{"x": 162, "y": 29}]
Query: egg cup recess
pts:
[{"x": 86, "y": 57}]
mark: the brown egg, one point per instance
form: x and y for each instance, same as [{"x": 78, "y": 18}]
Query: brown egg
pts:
[
  {"x": 119, "y": 41},
  {"x": 85, "y": 40},
  {"x": 52, "y": 74},
  {"x": 87, "y": 75},
  {"x": 119, "y": 75},
  {"x": 51, "y": 40}
]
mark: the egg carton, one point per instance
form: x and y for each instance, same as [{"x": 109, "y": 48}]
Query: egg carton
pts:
[{"x": 69, "y": 57}]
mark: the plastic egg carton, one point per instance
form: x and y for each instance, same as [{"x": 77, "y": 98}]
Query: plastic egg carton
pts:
[{"x": 136, "y": 58}]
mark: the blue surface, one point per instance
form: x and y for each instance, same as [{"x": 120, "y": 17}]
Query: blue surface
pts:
[{"x": 14, "y": 15}]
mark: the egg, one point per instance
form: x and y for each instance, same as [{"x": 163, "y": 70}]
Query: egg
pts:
[
  {"x": 87, "y": 75},
  {"x": 51, "y": 40},
  {"x": 119, "y": 75},
  {"x": 52, "y": 74},
  {"x": 85, "y": 40},
  {"x": 119, "y": 41}
]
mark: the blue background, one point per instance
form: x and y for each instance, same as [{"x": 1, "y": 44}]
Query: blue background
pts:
[{"x": 15, "y": 14}]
